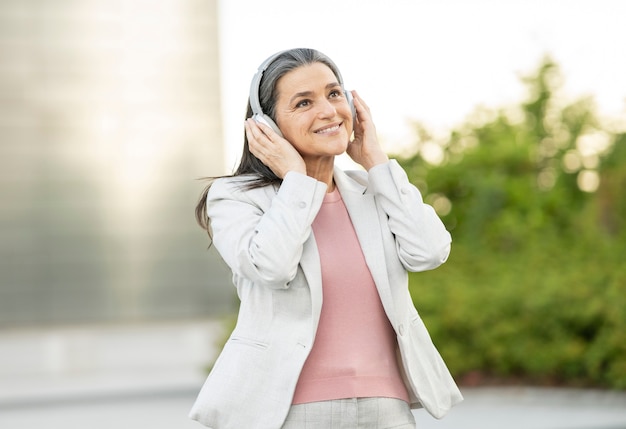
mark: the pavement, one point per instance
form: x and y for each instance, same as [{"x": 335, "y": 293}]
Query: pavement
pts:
[{"x": 147, "y": 376}]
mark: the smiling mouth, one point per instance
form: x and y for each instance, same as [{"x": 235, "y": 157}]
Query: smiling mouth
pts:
[{"x": 328, "y": 130}]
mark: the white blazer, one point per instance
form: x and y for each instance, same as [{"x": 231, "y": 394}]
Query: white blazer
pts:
[{"x": 265, "y": 237}]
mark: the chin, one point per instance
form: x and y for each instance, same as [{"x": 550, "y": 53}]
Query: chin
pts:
[{"x": 341, "y": 148}]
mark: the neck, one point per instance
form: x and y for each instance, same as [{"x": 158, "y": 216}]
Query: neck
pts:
[{"x": 322, "y": 170}]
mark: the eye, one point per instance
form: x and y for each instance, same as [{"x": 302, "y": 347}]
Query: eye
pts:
[
  {"x": 335, "y": 93},
  {"x": 303, "y": 103}
]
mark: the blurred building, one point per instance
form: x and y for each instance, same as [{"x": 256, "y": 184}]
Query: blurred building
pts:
[{"x": 109, "y": 112}]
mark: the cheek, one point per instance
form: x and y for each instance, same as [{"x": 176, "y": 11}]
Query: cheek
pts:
[
  {"x": 292, "y": 130},
  {"x": 349, "y": 120},
  {"x": 285, "y": 124},
  {"x": 296, "y": 127},
  {"x": 350, "y": 126},
  {"x": 294, "y": 133}
]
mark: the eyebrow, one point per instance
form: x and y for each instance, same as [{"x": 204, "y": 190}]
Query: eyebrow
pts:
[{"x": 308, "y": 93}]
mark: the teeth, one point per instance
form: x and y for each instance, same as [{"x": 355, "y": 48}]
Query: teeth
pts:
[{"x": 328, "y": 130}]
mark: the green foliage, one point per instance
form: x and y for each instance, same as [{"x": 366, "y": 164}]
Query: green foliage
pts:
[{"x": 536, "y": 283}]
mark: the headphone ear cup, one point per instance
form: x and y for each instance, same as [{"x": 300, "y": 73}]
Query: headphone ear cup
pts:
[
  {"x": 350, "y": 100},
  {"x": 264, "y": 119}
]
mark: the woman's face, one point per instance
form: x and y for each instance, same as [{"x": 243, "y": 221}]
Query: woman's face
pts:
[{"x": 312, "y": 111}]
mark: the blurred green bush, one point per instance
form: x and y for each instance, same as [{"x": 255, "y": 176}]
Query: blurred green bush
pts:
[{"x": 534, "y": 196}]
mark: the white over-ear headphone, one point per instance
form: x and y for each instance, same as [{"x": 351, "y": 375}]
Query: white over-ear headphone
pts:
[{"x": 255, "y": 104}]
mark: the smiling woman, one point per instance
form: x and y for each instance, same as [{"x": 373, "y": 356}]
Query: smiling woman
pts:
[
  {"x": 314, "y": 115},
  {"x": 320, "y": 259}
]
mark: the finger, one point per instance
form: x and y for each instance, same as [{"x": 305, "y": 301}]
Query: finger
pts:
[
  {"x": 362, "y": 111},
  {"x": 260, "y": 144},
  {"x": 359, "y": 100},
  {"x": 256, "y": 137},
  {"x": 248, "y": 131},
  {"x": 263, "y": 130},
  {"x": 253, "y": 127},
  {"x": 255, "y": 145}
]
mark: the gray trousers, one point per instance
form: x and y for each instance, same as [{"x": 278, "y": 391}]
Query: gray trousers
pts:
[{"x": 354, "y": 413}]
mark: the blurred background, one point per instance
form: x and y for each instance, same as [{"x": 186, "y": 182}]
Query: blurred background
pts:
[{"x": 509, "y": 116}]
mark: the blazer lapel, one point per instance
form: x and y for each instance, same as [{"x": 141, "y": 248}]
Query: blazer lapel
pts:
[
  {"x": 363, "y": 212},
  {"x": 311, "y": 267}
]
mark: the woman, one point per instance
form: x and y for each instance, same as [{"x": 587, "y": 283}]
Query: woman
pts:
[{"x": 327, "y": 334}]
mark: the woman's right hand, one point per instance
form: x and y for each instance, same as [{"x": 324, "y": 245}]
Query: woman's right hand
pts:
[{"x": 273, "y": 150}]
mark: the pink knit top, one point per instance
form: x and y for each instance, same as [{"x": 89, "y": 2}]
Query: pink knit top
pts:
[{"x": 354, "y": 354}]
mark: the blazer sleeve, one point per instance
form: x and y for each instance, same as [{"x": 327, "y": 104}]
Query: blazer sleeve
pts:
[
  {"x": 422, "y": 241},
  {"x": 260, "y": 233}
]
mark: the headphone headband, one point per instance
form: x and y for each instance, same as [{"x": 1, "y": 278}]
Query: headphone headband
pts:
[{"x": 255, "y": 103}]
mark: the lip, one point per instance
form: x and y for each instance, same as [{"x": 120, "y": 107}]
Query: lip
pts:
[{"x": 328, "y": 129}]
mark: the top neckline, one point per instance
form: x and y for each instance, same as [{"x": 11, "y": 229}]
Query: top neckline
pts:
[{"x": 332, "y": 197}]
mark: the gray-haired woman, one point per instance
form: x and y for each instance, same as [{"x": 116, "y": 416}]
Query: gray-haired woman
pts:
[{"x": 327, "y": 335}]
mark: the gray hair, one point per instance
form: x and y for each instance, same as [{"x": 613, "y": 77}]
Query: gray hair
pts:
[
  {"x": 258, "y": 173},
  {"x": 283, "y": 64}
]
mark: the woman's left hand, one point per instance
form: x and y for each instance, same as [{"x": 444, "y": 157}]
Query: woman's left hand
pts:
[{"x": 365, "y": 149}]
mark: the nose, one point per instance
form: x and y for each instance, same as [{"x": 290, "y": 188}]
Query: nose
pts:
[{"x": 326, "y": 109}]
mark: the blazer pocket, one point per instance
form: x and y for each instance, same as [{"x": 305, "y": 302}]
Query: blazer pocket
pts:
[
  {"x": 242, "y": 341},
  {"x": 417, "y": 325}
]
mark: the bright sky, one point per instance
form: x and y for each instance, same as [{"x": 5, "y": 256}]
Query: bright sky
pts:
[{"x": 431, "y": 60}]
